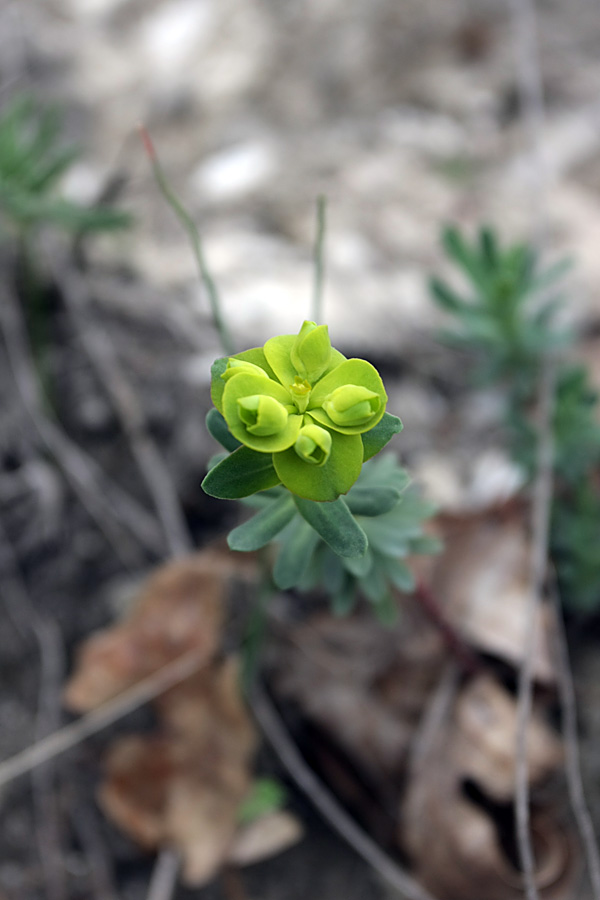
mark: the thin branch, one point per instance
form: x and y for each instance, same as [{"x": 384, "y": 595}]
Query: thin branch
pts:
[
  {"x": 540, "y": 525},
  {"x": 433, "y": 717},
  {"x": 107, "y": 503},
  {"x": 191, "y": 229},
  {"x": 164, "y": 877},
  {"x": 143, "y": 449},
  {"x": 572, "y": 756},
  {"x": 319, "y": 259},
  {"x": 28, "y": 621},
  {"x": 111, "y": 711},
  {"x": 85, "y": 825},
  {"x": 531, "y": 97},
  {"x": 532, "y": 101},
  {"x": 325, "y": 802}
]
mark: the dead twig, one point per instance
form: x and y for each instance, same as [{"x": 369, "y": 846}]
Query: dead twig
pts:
[
  {"x": 325, "y": 802},
  {"x": 128, "y": 409},
  {"x": 540, "y": 524},
  {"x": 110, "y": 506},
  {"x": 532, "y": 101},
  {"x": 111, "y": 711},
  {"x": 568, "y": 704},
  {"x": 46, "y": 634},
  {"x": 164, "y": 877},
  {"x": 85, "y": 825},
  {"x": 433, "y": 718}
]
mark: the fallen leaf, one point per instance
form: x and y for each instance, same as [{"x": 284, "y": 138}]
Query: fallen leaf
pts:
[
  {"x": 482, "y": 582},
  {"x": 178, "y": 609},
  {"x": 486, "y": 736},
  {"x": 183, "y": 788},
  {"x": 457, "y": 818}
]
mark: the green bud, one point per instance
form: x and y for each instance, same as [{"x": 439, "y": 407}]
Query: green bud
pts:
[
  {"x": 300, "y": 391},
  {"x": 313, "y": 445},
  {"x": 352, "y": 405},
  {"x": 236, "y": 366},
  {"x": 262, "y": 415},
  {"x": 311, "y": 351}
]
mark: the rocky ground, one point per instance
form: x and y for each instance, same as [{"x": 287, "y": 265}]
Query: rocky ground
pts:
[{"x": 406, "y": 116}]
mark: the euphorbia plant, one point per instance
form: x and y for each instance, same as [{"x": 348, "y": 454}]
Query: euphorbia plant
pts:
[{"x": 299, "y": 421}]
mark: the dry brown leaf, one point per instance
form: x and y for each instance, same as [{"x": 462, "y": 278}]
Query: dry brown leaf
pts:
[
  {"x": 458, "y": 825},
  {"x": 362, "y": 683},
  {"x": 482, "y": 581},
  {"x": 263, "y": 838},
  {"x": 486, "y": 737},
  {"x": 183, "y": 789},
  {"x": 179, "y": 608}
]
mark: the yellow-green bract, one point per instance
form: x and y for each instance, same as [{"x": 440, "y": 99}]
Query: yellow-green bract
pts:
[{"x": 301, "y": 401}]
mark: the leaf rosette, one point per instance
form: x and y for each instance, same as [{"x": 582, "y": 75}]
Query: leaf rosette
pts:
[{"x": 316, "y": 414}]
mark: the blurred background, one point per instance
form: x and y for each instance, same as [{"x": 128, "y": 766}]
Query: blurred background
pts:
[{"x": 408, "y": 115}]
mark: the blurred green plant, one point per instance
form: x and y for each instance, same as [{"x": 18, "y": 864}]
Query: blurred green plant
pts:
[
  {"x": 506, "y": 322},
  {"x": 267, "y": 795},
  {"x": 33, "y": 163}
]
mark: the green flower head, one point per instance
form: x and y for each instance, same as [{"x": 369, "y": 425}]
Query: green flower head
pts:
[
  {"x": 309, "y": 408},
  {"x": 262, "y": 415},
  {"x": 352, "y": 405},
  {"x": 313, "y": 445}
]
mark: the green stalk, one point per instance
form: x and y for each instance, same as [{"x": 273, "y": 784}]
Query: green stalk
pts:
[
  {"x": 191, "y": 230},
  {"x": 319, "y": 259}
]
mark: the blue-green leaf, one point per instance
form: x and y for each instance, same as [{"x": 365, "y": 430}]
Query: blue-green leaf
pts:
[
  {"x": 336, "y": 525},
  {"x": 376, "y": 439},
  {"x": 344, "y": 601},
  {"x": 295, "y": 554},
  {"x": 242, "y": 473},
  {"x": 263, "y": 526},
  {"x": 372, "y": 501},
  {"x": 217, "y": 426},
  {"x": 359, "y": 567}
]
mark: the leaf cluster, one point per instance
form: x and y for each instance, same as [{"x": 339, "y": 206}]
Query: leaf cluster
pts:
[
  {"x": 33, "y": 161},
  {"x": 354, "y": 545},
  {"x": 504, "y": 320},
  {"x": 507, "y": 325}
]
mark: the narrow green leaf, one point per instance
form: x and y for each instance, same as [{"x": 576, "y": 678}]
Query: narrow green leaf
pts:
[
  {"x": 386, "y": 610},
  {"x": 217, "y": 426},
  {"x": 344, "y": 601},
  {"x": 445, "y": 297},
  {"x": 399, "y": 574},
  {"x": 242, "y": 473},
  {"x": 374, "y": 586},
  {"x": 426, "y": 545},
  {"x": 295, "y": 555},
  {"x": 336, "y": 525},
  {"x": 359, "y": 567},
  {"x": 372, "y": 501},
  {"x": 263, "y": 526},
  {"x": 376, "y": 439}
]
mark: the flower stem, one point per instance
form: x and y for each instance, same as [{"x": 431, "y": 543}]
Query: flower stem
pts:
[
  {"x": 319, "y": 259},
  {"x": 193, "y": 234}
]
